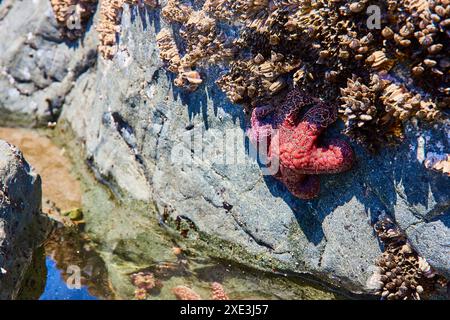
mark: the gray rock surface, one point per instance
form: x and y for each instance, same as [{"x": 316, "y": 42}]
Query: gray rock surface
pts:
[
  {"x": 22, "y": 227},
  {"x": 151, "y": 141},
  {"x": 37, "y": 68}
]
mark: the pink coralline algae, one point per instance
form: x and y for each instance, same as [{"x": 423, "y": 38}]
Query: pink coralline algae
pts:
[
  {"x": 186, "y": 293},
  {"x": 293, "y": 142},
  {"x": 144, "y": 282},
  {"x": 218, "y": 292}
]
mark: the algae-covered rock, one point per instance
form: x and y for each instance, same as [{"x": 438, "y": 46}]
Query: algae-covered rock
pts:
[
  {"x": 74, "y": 215},
  {"x": 35, "y": 278}
]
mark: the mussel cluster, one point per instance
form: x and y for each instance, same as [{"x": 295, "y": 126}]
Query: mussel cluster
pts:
[{"x": 402, "y": 274}]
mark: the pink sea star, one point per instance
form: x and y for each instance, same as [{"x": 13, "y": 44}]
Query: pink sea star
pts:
[{"x": 293, "y": 142}]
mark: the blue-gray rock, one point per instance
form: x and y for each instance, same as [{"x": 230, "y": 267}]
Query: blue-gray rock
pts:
[{"x": 37, "y": 67}]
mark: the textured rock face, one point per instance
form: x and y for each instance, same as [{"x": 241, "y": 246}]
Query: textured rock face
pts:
[
  {"x": 37, "y": 68},
  {"x": 22, "y": 227},
  {"x": 154, "y": 142}
]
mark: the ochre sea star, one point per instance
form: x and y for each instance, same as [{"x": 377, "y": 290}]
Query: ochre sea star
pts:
[{"x": 293, "y": 142}]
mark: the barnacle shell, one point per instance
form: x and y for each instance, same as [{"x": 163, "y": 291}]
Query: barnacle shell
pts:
[
  {"x": 425, "y": 267},
  {"x": 108, "y": 26},
  {"x": 379, "y": 61},
  {"x": 66, "y": 10},
  {"x": 438, "y": 162},
  {"x": 403, "y": 274}
]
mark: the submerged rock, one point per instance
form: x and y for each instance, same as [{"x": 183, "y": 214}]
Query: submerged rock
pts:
[
  {"x": 150, "y": 141},
  {"x": 22, "y": 227}
]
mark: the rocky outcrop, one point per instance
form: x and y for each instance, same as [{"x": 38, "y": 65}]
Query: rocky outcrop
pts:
[
  {"x": 38, "y": 67},
  {"x": 187, "y": 152},
  {"x": 22, "y": 227}
]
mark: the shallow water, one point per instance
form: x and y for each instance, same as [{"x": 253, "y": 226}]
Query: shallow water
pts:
[
  {"x": 71, "y": 256},
  {"x": 56, "y": 287},
  {"x": 75, "y": 271}
]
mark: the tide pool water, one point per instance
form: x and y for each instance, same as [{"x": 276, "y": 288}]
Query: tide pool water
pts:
[
  {"x": 153, "y": 251},
  {"x": 56, "y": 287}
]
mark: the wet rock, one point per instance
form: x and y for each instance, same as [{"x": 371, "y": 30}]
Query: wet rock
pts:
[{"x": 22, "y": 227}]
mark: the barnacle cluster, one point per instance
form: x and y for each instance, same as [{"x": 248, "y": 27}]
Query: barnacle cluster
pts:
[
  {"x": 373, "y": 112},
  {"x": 144, "y": 282},
  {"x": 109, "y": 23},
  {"x": 385, "y": 62},
  {"x": 73, "y": 15},
  {"x": 186, "y": 77},
  {"x": 402, "y": 275},
  {"x": 204, "y": 43},
  {"x": 421, "y": 34},
  {"x": 401, "y": 62}
]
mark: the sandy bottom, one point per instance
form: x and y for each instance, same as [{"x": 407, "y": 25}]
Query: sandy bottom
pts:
[{"x": 59, "y": 187}]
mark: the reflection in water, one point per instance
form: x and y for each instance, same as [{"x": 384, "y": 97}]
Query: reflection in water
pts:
[
  {"x": 68, "y": 250},
  {"x": 57, "y": 289},
  {"x": 70, "y": 259}
]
